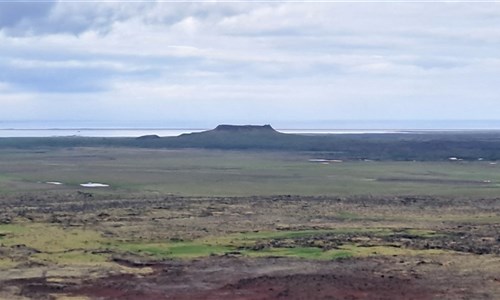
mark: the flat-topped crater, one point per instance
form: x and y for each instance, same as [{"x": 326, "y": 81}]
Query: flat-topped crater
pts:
[
  {"x": 234, "y": 137},
  {"x": 262, "y": 128},
  {"x": 148, "y": 137}
]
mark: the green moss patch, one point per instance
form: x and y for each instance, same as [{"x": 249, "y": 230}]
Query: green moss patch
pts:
[
  {"x": 49, "y": 238},
  {"x": 245, "y": 244},
  {"x": 53, "y": 244},
  {"x": 175, "y": 250},
  {"x": 70, "y": 258}
]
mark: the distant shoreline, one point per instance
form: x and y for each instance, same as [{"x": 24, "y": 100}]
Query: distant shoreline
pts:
[{"x": 169, "y": 132}]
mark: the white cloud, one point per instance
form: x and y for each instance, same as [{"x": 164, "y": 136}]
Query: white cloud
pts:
[
  {"x": 75, "y": 64},
  {"x": 277, "y": 60}
]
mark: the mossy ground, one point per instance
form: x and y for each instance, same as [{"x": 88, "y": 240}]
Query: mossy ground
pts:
[
  {"x": 47, "y": 243},
  {"x": 52, "y": 244},
  {"x": 244, "y": 244}
]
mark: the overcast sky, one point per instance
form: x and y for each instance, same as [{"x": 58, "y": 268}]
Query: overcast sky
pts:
[{"x": 182, "y": 64}]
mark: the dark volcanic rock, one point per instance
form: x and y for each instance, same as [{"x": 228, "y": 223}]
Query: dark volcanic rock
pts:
[
  {"x": 148, "y": 137},
  {"x": 263, "y": 128}
]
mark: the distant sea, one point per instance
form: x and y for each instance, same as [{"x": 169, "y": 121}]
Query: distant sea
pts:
[
  {"x": 92, "y": 129},
  {"x": 102, "y": 132},
  {"x": 93, "y": 132},
  {"x": 97, "y": 132}
]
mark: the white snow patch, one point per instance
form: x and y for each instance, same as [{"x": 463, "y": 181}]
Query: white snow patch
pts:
[
  {"x": 322, "y": 160},
  {"x": 94, "y": 184}
]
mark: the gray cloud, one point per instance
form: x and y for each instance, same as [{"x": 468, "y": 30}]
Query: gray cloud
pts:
[
  {"x": 68, "y": 76},
  {"x": 22, "y": 17},
  {"x": 49, "y": 17},
  {"x": 16, "y": 13}
]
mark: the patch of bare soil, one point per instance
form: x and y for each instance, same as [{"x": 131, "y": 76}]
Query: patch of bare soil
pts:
[
  {"x": 325, "y": 286},
  {"x": 280, "y": 278}
]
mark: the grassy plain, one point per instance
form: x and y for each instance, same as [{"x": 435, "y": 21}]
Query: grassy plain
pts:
[{"x": 239, "y": 173}]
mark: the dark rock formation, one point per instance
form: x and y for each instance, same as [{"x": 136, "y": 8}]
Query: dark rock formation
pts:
[
  {"x": 148, "y": 137},
  {"x": 263, "y": 128}
]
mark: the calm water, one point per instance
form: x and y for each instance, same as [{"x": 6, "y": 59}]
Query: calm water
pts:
[
  {"x": 160, "y": 132},
  {"x": 96, "y": 132},
  {"x": 96, "y": 129},
  {"x": 92, "y": 132}
]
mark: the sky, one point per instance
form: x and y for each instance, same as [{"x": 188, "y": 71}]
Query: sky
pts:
[{"x": 294, "y": 64}]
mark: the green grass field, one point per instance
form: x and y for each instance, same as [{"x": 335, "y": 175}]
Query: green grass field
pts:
[{"x": 237, "y": 173}]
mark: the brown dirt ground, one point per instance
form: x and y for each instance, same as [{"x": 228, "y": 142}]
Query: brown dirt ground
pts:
[{"x": 240, "y": 278}]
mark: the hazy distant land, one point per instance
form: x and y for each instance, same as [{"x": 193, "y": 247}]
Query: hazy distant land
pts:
[{"x": 407, "y": 145}]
